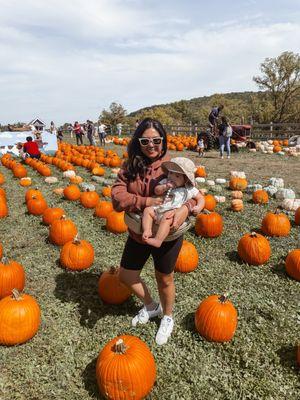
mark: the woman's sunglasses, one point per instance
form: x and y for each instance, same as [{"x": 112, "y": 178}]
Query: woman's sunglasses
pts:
[{"x": 146, "y": 141}]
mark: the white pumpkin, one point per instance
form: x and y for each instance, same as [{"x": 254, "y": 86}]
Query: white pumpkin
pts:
[
  {"x": 69, "y": 173},
  {"x": 87, "y": 186},
  {"x": 271, "y": 190},
  {"x": 253, "y": 188},
  {"x": 283, "y": 194},
  {"x": 252, "y": 150},
  {"x": 277, "y": 182},
  {"x": 210, "y": 182},
  {"x": 281, "y": 153},
  {"x": 220, "y": 199},
  {"x": 216, "y": 188},
  {"x": 237, "y": 174},
  {"x": 200, "y": 180},
  {"x": 220, "y": 181},
  {"x": 51, "y": 179},
  {"x": 290, "y": 204}
]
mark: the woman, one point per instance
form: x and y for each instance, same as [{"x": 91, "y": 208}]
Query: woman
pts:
[
  {"x": 132, "y": 192},
  {"x": 225, "y": 133},
  {"x": 78, "y": 133}
]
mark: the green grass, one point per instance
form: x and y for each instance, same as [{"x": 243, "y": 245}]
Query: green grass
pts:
[{"x": 59, "y": 362}]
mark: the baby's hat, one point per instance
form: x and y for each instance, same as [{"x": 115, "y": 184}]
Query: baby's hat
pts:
[{"x": 181, "y": 165}]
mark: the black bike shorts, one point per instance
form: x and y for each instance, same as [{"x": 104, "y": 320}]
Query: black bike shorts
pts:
[{"x": 136, "y": 254}]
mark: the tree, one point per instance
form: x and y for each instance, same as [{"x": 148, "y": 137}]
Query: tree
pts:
[
  {"x": 281, "y": 81},
  {"x": 116, "y": 114}
]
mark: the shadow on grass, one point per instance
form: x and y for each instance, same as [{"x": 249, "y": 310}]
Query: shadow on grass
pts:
[
  {"x": 234, "y": 256},
  {"x": 82, "y": 288},
  {"x": 287, "y": 355},
  {"x": 188, "y": 324},
  {"x": 90, "y": 381},
  {"x": 279, "y": 270}
]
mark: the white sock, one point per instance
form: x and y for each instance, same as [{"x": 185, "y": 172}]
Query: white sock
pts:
[{"x": 152, "y": 306}]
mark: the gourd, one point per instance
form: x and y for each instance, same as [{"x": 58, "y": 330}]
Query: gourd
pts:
[
  {"x": 220, "y": 181},
  {"x": 200, "y": 180},
  {"x": 106, "y": 191},
  {"x": 187, "y": 259},
  {"x": 110, "y": 289},
  {"x": 253, "y": 188},
  {"x": 87, "y": 186},
  {"x": 69, "y": 173},
  {"x": 51, "y": 179},
  {"x": 220, "y": 199},
  {"x": 271, "y": 190},
  {"x": 25, "y": 182},
  {"x": 238, "y": 183},
  {"x": 237, "y": 205},
  {"x": 210, "y": 182},
  {"x": 292, "y": 264},
  {"x": 237, "y": 194},
  {"x": 254, "y": 249},
  {"x": 125, "y": 369},
  {"x": 216, "y": 319},
  {"x": 20, "y": 318}
]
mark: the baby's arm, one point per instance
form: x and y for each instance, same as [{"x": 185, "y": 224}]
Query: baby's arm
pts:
[{"x": 200, "y": 203}]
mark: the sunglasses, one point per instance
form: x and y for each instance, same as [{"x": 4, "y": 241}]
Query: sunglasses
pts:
[{"x": 146, "y": 141}]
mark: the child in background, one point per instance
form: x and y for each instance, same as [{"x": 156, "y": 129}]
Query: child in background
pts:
[
  {"x": 179, "y": 187},
  {"x": 200, "y": 146}
]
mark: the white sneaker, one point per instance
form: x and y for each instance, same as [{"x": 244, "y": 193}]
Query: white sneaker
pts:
[
  {"x": 222, "y": 157},
  {"x": 228, "y": 156},
  {"x": 144, "y": 315},
  {"x": 165, "y": 330}
]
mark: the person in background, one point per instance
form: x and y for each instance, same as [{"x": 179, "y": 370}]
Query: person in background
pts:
[
  {"x": 101, "y": 133},
  {"x": 52, "y": 128},
  {"x": 200, "y": 145},
  {"x": 225, "y": 133},
  {"x": 137, "y": 122},
  {"x": 78, "y": 133},
  {"x": 59, "y": 134},
  {"x": 119, "y": 129},
  {"x": 90, "y": 129},
  {"x": 213, "y": 118},
  {"x": 31, "y": 148}
]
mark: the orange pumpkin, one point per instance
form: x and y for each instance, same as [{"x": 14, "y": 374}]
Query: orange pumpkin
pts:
[
  {"x": 237, "y": 205},
  {"x": 292, "y": 264},
  {"x": 36, "y": 206},
  {"x": 210, "y": 202},
  {"x": 254, "y": 249},
  {"x": 1, "y": 251},
  {"x": 2, "y": 179},
  {"x": 99, "y": 171},
  {"x": 19, "y": 171},
  {"x": 260, "y": 197},
  {"x": 216, "y": 319},
  {"x": 3, "y": 208},
  {"x": 20, "y": 318},
  {"x": 115, "y": 222},
  {"x": 103, "y": 208},
  {"x": 12, "y": 275},
  {"x": 25, "y": 182},
  {"x": 89, "y": 199},
  {"x": 110, "y": 289},
  {"x": 33, "y": 193},
  {"x": 62, "y": 231},
  {"x": 238, "y": 183},
  {"x": 72, "y": 192},
  {"x": 125, "y": 369},
  {"x": 188, "y": 258},
  {"x": 77, "y": 255},
  {"x": 209, "y": 224},
  {"x": 200, "y": 172},
  {"x": 50, "y": 214},
  {"x": 106, "y": 191},
  {"x": 276, "y": 224}
]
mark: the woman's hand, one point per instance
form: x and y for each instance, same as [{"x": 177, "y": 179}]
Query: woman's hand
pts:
[
  {"x": 180, "y": 215},
  {"x": 154, "y": 201}
]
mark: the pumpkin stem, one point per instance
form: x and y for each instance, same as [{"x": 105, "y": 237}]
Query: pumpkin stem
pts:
[
  {"x": 120, "y": 347},
  {"x": 63, "y": 217},
  {"x": 16, "y": 294},
  {"x": 76, "y": 240},
  {"x": 113, "y": 270},
  {"x": 223, "y": 298},
  {"x": 205, "y": 211},
  {"x": 253, "y": 234}
]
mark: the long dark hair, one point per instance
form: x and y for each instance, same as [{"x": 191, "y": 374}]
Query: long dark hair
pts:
[{"x": 137, "y": 161}]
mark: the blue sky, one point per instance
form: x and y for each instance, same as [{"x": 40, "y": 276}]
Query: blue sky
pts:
[{"x": 67, "y": 60}]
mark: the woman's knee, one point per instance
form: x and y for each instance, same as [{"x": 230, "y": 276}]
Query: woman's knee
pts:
[{"x": 164, "y": 280}]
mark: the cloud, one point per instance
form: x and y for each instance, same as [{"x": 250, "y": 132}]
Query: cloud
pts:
[{"x": 65, "y": 61}]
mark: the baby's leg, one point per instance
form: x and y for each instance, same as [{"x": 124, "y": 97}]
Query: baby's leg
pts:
[
  {"x": 147, "y": 222},
  {"x": 162, "y": 233}
]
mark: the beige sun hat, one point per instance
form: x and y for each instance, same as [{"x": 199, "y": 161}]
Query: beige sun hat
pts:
[{"x": 181, "y": 165}]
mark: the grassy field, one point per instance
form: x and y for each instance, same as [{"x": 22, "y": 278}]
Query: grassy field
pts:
[{"x": 59, "y": 362}]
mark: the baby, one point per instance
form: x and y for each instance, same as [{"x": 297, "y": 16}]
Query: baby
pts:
[{"x": 179, "y": 187}]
